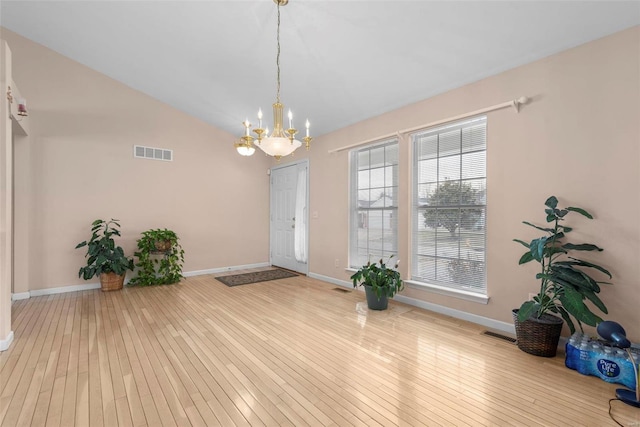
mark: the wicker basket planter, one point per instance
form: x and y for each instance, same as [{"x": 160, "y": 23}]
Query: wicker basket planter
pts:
[
  {"x": 162, "y": 245},
  {"x": 111, "y": 282},
  {"x": 539, "y": 337}
]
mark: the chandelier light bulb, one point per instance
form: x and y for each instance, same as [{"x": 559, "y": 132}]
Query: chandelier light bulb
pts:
[{"x": 246, "y": 151}]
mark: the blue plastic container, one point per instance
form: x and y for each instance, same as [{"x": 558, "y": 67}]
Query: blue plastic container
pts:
[{"x": 593, "y": 357}]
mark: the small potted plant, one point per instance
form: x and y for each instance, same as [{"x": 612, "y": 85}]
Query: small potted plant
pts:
[
  {"x": 104, "y": 258},
  {"x": 565, "y": 284},
  {"x": 153, "y": 270},
  {"x": 380, "y": 283}
]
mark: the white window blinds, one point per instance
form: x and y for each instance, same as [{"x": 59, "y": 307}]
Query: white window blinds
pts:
[{"x": 449, "y": 206}]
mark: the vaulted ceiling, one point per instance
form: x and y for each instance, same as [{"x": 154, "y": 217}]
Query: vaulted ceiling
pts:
[{"x": 342, "y": 61}]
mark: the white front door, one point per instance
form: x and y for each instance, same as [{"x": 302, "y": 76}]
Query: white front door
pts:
[{"x": 286, "y": 190}]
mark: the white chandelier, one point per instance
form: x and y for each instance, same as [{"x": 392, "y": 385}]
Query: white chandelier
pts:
[{"x": 282, "y": 141}]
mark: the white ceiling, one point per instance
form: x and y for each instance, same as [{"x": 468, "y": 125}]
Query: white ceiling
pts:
[{"x": 342, "y": 61}]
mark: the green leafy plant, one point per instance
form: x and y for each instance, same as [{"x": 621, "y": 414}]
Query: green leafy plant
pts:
[
  {"x": 382, "y": 279},
  {"x": 564, "y": 280},
  {"x": 158, "y": 270},
  {"x": 103, "y": 256}
]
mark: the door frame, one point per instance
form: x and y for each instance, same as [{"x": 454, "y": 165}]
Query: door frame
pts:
[{"x": 297, "y": 163}]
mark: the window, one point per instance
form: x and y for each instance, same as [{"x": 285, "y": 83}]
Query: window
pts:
[
  {"x": 374, "y": 203},
  {"x": 449, "y": 206}
]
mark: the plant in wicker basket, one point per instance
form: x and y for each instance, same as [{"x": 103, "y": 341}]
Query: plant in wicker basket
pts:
[
  {"x": 104, "y": 258},
  {"x": 158, "y": 270},
  {"x": 565, "y": 281}
]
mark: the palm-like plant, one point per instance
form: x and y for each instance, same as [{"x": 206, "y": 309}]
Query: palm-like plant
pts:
[{"x": 564, "y": 281}]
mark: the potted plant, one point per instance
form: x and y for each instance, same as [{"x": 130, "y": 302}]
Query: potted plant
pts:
[
  {"x": 380, "y": 283},
  {"x": 104, "y": 258},
  {"x": 154, "y": 270},
  {"x": 565, "y": 284}
]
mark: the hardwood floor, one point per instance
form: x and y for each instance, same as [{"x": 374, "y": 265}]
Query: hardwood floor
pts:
[{"x": 290, "y": 352}]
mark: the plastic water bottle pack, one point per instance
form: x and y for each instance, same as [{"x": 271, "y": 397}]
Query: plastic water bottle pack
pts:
[{"x": 590, "y": 356}]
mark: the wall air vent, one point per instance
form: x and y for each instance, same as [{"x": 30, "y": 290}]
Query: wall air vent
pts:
[{"x": 152, "y": 153}]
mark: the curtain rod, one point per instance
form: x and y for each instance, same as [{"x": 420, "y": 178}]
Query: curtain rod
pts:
[{"x": 516, "y": 103}]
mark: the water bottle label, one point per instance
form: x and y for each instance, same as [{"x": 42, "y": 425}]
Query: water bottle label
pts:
[{"x": 608, "y": 368}]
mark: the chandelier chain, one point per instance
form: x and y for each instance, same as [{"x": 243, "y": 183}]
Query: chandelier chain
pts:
[{"x": 278, "y": 57}]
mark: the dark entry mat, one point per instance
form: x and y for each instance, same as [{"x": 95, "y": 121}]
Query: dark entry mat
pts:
[{"x": 258, "y": 276}]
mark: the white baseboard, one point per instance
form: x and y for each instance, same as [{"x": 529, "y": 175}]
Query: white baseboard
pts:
[
  {"x": 458, "y": 314},
  {"x": 63, "y": 289},
  {"x": 343, "y": 283},
  {"x": 89, "y": 286},
  {"x": 5, "y": 343},
  {"x": 52, "y": 291},
  {"x": 224, "y": 269},
  {"x": 20, "y": 295}
]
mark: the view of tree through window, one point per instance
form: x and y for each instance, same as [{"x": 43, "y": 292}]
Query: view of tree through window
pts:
[{"x": 450, "y": 206}]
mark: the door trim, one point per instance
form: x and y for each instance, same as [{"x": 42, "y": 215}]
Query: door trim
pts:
[{"x": 271, "y": 238}]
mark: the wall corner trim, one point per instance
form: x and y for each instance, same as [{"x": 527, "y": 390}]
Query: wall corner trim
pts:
[{"x": 5, "y": 343}]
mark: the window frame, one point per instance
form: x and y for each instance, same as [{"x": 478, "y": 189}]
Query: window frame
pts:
[
  {"x": 355, "y": 209},
  {"x": 459, "y": 290}
]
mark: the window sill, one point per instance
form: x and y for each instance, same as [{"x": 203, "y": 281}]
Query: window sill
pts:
[{"x": 455, "y": 293}]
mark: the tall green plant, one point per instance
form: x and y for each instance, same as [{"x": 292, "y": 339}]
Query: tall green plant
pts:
[
  {"x": 565, "y": 283},
  {"x": 103, "y": 256},
  {"x": 154, "y": 270},
  {"x": 382, "y": 279}
]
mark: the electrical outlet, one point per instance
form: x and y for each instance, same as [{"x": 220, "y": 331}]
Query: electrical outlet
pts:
[{"x": 337, "y": 263}]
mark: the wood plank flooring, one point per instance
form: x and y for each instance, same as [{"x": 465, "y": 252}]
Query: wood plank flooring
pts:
[{"x": 290, "y": 352}]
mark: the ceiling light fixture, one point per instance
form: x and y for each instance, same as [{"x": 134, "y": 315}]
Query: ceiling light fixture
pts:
[{"x": 282, "y": 141}]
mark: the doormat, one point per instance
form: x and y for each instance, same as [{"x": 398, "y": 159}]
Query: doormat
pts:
[{"x": 258, "y": 276}]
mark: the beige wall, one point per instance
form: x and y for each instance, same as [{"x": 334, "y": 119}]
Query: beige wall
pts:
[
  {"x": 77, "y": 165},
  {"x": 579, "y": 139}
]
